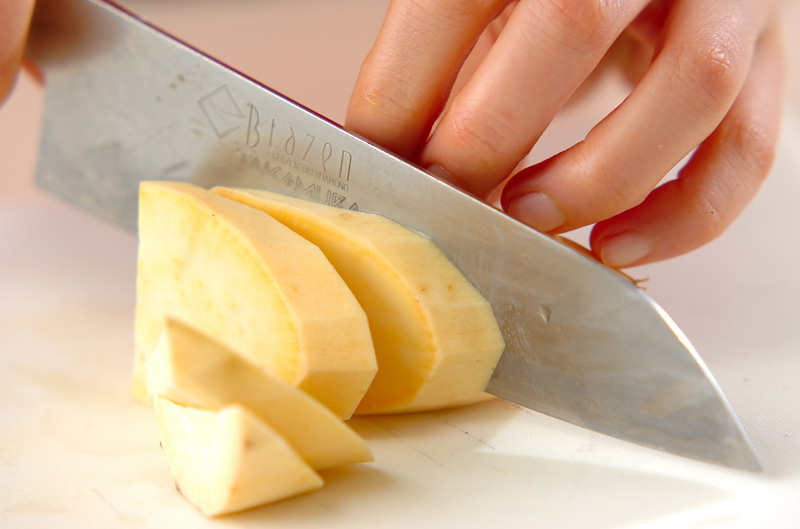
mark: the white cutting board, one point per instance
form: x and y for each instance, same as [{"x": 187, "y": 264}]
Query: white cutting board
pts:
[{"x": 77, "y": 451}]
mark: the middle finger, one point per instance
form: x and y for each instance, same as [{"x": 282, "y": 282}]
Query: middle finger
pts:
[{"x": 546, "y": 50}]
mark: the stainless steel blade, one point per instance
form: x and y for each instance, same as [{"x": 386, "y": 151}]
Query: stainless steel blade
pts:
[{"x": 125, "y": 102}]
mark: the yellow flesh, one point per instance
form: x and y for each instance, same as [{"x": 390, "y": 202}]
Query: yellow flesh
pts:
[
  {"x": 191, "y": 369},
  {"x": 228, "y": 460},
  {"x": 435, "y": 337},
  {"x": 254, "y": 285}
]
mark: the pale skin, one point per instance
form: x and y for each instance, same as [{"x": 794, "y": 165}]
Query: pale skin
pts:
[
  {"x": 710, "y": 78},
  {"x": 15, "y": 16},
  {"x": 707, "y": 79}
]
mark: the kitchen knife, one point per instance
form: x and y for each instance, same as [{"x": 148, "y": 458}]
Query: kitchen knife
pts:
[{"x": 125, "y": 102}]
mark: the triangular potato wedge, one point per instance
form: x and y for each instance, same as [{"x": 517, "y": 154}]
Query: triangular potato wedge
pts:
[
  {"x": 228, "y": 460},
  {"x": 435, "y": 337},
  {"x": 253, "y": 284},
  {"x": 191, "y": 369}
]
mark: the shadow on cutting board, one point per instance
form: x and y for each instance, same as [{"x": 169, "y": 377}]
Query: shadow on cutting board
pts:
[{"x": 455, "y": 468}]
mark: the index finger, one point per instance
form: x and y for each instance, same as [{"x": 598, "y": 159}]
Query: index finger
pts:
[{"x": 406, "y": 78}]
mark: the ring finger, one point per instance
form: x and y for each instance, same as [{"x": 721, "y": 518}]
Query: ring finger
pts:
[{"x": 682, "y": 98}]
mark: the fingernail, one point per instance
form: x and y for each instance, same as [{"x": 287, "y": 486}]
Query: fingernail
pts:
[
  {"x": 537, "y": 210},
  {"x": 624, "y": 249},
  {"x": 439, "y": 172}
]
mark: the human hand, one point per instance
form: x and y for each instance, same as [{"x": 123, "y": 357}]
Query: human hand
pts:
[
  {"x": 15, "y": 16},
  {"x": 712, "y": 83}
]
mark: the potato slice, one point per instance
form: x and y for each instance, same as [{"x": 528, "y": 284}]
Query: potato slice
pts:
[
  {"x": 254, "y": 285},
  {"x": 435, "y": 336},
  {"x": 191, "y": 369},
  {"x": 228, "y": 460}
]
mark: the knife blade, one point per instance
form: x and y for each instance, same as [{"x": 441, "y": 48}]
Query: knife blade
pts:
[{"x": 125, "y": 102}]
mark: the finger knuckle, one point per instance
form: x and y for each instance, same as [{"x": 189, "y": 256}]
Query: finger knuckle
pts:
[
  {"x": 712, "y": 220},
  {"x": 451, "y": 13},
  {"x": 483, "y": 133},
  {"x": 387, "y": 96},
  {"x": 605, "y": 192},
  {"x": 755, "y": 147},
  {"x": 751, "y": 151},
  {"x": 711, "y": 71},
  {"x": 581, "y": 24}
]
